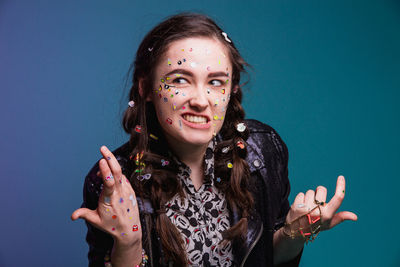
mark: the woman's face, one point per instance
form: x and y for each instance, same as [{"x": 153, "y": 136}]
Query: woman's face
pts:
[{"x": 191, "y": 92}]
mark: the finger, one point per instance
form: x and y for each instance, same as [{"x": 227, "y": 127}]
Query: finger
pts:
[
  {"x": 342, "y": 216},
  {"x": 112, "y": 163},
  {"x": 320, "y": 193},
  {"x": 299, "y": 201},
  {"x": 337, "y": 199},
  {"x": 86, "y": 214},
  {"x": 309, "y": 199},
  {"x": 108, "y": 178}
]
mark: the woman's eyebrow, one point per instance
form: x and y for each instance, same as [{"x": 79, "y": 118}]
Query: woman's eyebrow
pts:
[
  {"x": 218, "y": 74},
  {"x": 179, "y": 71}
]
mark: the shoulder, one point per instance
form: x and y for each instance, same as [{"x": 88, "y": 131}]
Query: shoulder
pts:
[{"x": 263, "y": 135}]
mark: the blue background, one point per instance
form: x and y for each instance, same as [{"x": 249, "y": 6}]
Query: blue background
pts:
[{"x": 326, "y": 77}]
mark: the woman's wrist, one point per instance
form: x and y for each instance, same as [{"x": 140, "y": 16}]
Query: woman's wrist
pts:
[
  {"x": 124, "y": 254},
  {"x": 286, "y": 248}
]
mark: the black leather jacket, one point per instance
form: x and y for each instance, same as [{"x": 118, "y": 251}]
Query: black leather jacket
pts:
[{"x": 268, "y": 161}]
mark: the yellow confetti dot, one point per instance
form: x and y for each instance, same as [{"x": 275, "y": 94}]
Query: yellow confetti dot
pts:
[
  {"x": 153, "y": 136},
  {"x": 183, "y": 49},
  {"x": 219, "y": 62},
  {"x": 230, "y": 165},
  {"x": 222, "y": 117},
  {"x": 215, "y": 117},
  {"x": 178, "y": 75},
  {"x": 130, "y": 218},
  {"x": 108, "y": 210},
  {"x": 162, "y": 80},
  {"x": 168, "y": 78}
]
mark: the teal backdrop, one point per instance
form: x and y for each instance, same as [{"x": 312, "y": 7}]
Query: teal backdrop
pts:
[{"x": 326, "y": 76}]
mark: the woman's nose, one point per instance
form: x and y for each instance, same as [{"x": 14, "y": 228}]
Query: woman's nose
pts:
[{"x": 199, "y": 98}]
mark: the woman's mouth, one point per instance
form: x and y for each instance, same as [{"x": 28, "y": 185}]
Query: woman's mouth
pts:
[{"x": 195, "y": 119}]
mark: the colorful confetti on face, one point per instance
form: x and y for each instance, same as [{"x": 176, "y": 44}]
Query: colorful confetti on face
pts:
[
  {"x": 121, "y": 200},
  {"x": 113, "y": 228},
  {"x": 107, "y": 200},
  {"x": 169, "y": 121},
  {"x": 132, "y": 198},
  {"x": 135, "y": 228},
  {"x": 109, "y": 177},
  {"x": 169, "y": 62},
  {"x": 114, "y": 217}
]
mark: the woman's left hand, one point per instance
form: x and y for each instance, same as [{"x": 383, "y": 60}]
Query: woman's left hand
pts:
[{"x": 329, "y": 218}]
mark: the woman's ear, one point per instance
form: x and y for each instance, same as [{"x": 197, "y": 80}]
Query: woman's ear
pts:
[{"x": 142, "y": 90}]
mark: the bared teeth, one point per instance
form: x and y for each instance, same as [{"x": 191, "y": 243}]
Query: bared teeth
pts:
[{"x": 195, "y": 119}]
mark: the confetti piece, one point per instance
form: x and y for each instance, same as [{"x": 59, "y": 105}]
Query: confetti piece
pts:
[
  {"x": 227, "y": 80},
  {"x": 132, "y": 198},
  {"x": 130, "y": 217},
  {"x": 178, "y": 75},
  {"x": 183, "y": 107},
  {"x": 168, "y": 78},
  {"x": 230, "y": 165},
  {"x": 184, "y": 60},
  {"x": 110, "y": 177},
  {"x": 208, "y": 90},
  {"x": 121, "y": 200},
  {"x": 150, "y": 49},
  {"x": 164, "y": 162},
  {"x": 166, "y": 86},
  {"x": 107, "y": 210},
  {"x": 153, "y": 136},
  {"x": 123, "y": 234},
  {"x": 176, "y": 91},
  {"x": 165, "y": 99},
  {"x": 219, "y": 61},
  {"x": 240, "y": 144},
  {"x": 108, "y": 158},
  {"x": 215, "y": 117},
  {"x": 107, "y": 200},
  {"x": 180, "y": 125},
  {"x": 191, "y": 49},
  {"x": 135, "y": 228},
  {"x": 162, "y": 80},
  {"x": 174, "y": 106},
  {"x": 169, "y": 62},
  {"x": 216, "y": 102},
  {"x": 131, "y": 104},
  {"x": 225, "y": 149},
  {"x": 113, "y": 228},
  {"x": 223, "y": 91},
  {"x": 226, "y": 37},
  {"x": 179, "y": 62},
  {"x": 241, "y": 127},
  {"x": 128, "y": 210},
  {"x": 218, "y": 179},
  {"x": 114, "y": 217},
  {"x": 138, "y": 129}
]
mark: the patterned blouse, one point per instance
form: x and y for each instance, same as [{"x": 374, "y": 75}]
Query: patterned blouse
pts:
[{"x": 202, "y": 216}]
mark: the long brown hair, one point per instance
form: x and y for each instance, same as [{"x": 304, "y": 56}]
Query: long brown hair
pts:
[{"x": 163, "y": 184}]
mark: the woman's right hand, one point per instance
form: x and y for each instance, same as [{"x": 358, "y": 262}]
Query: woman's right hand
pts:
[{"x": 117, "y": 212}]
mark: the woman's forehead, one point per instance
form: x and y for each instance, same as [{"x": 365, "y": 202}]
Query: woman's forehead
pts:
[{"x": 199, "y": 53}]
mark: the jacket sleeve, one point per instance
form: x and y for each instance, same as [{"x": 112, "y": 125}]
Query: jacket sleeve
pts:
[
  {"x": 282, "y": 164},
  {"x": 100, "y": 243}
]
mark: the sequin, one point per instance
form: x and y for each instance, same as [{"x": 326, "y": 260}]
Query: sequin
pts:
[{"x": 114, "y": 217}]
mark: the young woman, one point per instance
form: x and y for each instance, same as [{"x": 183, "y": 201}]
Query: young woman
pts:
[{"x": 197, "y": 184}]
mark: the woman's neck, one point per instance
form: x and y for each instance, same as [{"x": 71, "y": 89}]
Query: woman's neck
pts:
[{"x": 193, "y": 157}]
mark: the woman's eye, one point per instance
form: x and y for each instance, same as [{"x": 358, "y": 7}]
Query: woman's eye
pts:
[
  {"x": 216, "y": 83},
  {"x": 180, "y": 80}
]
